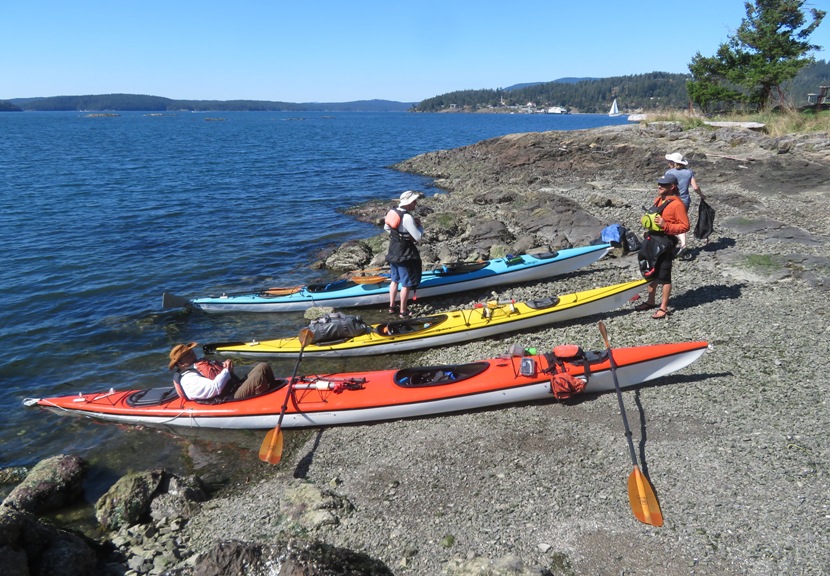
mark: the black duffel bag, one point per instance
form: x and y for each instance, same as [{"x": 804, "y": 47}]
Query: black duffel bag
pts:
[{"x": 336, "y": 326}]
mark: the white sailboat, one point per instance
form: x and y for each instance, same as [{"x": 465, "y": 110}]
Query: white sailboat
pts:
[{"x": 615, "y": 111}]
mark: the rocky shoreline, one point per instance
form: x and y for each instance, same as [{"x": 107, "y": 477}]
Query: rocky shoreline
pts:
[{"x": 734, "y": 444}]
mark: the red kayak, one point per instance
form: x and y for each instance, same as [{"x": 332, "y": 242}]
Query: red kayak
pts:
[{"x": 358, "y": 397}]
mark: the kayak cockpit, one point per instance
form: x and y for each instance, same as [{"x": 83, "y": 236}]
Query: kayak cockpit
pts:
[
  {"x": 159, "y": 396},
  {"x": 409, "y": 326},
  {"x": 438, "y": 375},
  {"x": 152, "y": 396},
  {"x": 454, "y": 268}
]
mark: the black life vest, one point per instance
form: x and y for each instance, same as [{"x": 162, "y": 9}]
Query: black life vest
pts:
[{"x": 402, "y": 246}]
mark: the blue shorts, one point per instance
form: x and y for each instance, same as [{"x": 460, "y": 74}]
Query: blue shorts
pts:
[{"x": 406, "y": 274}]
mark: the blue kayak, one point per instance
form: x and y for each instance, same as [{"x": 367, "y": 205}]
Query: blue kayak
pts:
[{"x": 374, "y": 290}]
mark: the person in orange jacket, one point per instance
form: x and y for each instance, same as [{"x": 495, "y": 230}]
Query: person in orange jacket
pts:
[{"x": 672, "y": 221}]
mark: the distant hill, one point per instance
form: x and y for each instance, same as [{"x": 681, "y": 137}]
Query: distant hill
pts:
[
  {"x": 560, "y": 80},
  {"x": 6, "y": 106},
  {"x": 144, "y": 103},
  {"x": 637, "y": 93},
  {"x": 592, "y": 95}
]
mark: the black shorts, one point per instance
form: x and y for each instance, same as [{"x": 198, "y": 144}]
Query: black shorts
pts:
[{"x": 663, "y": 268}]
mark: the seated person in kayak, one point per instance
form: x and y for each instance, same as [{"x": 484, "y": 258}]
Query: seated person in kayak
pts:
[{"x": 205, "y": 379}]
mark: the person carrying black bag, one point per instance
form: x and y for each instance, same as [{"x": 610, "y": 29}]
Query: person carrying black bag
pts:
[{"x": 665, "y": 221}]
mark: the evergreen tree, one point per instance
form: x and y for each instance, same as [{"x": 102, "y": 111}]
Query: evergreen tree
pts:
[{"x": 768, "y": 49}]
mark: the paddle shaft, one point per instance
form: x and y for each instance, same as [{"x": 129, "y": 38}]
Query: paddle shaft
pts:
[
  {"x": 305, "y": 338},
  {"x": 628, "y": 437},
  {"x": 619, "y": 393},
  {"x": 644, "y": 493},
  {"x": 271, "y": 449}
]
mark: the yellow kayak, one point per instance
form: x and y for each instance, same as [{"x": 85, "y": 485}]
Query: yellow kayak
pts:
[{"x": 482, "y": 321}]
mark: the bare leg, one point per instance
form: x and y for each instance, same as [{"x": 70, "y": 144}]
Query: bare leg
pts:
[
  {"x": 664, "y": 302},
  {"x": 651, "y": 289},
  {"x": 404, "y": 298},
  {"x": 393, "y": 294}
]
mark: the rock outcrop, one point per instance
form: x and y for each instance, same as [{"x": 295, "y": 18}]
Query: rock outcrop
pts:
[{"x": 30, "y": 546}]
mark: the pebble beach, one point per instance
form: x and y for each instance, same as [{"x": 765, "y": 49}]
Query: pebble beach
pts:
[{"x": 734, "y": 445}]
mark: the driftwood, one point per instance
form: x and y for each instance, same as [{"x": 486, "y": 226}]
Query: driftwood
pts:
[
  {"x": 731, "y": 157},
  {"x": 748, "y": 125}
]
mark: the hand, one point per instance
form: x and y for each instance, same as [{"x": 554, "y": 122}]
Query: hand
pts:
[
  {"x": 228, "y": 364},
  {"x": 659, "y": 220}
]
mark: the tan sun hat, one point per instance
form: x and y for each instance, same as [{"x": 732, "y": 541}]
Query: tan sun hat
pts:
[
  {"x": 178, "y": 351},
  {"x": 408, "y": 197},
  {"x": 677, "y": 158}
]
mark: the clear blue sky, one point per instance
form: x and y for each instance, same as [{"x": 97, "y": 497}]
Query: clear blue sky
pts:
[{"x": 343, "y": 50}]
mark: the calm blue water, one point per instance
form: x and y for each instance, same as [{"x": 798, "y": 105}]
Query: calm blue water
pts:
[{"x": 100, "y": 216}]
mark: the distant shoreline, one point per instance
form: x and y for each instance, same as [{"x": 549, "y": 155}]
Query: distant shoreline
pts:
[{"x": 143, "y": 103}]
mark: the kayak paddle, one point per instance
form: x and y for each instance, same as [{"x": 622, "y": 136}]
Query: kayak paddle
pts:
[
  {"x": 640, "y": 493},
  {"x": 172, "y": 301},
  {"x": 271, "y": 449}
]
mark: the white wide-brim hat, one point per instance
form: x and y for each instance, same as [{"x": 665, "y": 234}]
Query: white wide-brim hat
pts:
[
  {"x": 677, "y": 158},
  {"x": 408, "y": 198}
]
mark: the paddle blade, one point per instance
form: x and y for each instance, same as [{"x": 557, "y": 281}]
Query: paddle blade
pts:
[
  {"x": 305, "y": 337},
  {"x": 271, "y": 449},
  {"x": 643, "y": 501},
  {"x": 173, "y": 301},
  {"x": 369, "y": 279},
  {"x": 284, "y": 291}
]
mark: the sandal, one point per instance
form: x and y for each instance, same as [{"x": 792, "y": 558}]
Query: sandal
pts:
[
  {"x": 407, "y": 314},
  {"x": 392, "y": 311},
  {"x": 644, "y": 306},
  {"x": 660, "y": 314}
]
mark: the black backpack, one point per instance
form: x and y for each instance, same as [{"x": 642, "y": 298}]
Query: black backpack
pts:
[
  {"x": 705, "y": 221},
  {"x": 630, "y": 242}
]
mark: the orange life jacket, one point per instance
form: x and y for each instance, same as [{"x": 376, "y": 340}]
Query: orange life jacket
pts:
[{"x": 207, "y": 368}]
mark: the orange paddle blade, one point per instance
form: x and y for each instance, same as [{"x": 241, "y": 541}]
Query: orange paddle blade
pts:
[
  {"x": 643, "y": 501},
  {"x": 271, "y": 449},
  {"x": 282, "y": 291},
  {"x": 369, "y": 279}
]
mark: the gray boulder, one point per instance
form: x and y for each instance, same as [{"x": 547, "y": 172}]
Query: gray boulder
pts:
[
  {"x": 29, "y": 547},
  {"x": 140, "y": 497},
  {"x": 292, "y": 558},
  {"x": 51, "y": 484}
]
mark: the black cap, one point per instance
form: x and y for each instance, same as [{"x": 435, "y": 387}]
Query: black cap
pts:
[{"x": 668, "y": 179}]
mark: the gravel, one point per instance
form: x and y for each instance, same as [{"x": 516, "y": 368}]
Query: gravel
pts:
[{"x": 735, "y": 444}]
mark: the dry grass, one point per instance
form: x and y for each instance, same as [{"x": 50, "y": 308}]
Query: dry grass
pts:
[{"x": 776, "y": 123}]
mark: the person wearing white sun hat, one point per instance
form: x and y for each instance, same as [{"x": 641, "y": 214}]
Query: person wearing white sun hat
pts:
[
  {"x": 679, "y": 168},
  {"x": 405, "y": 232}
]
